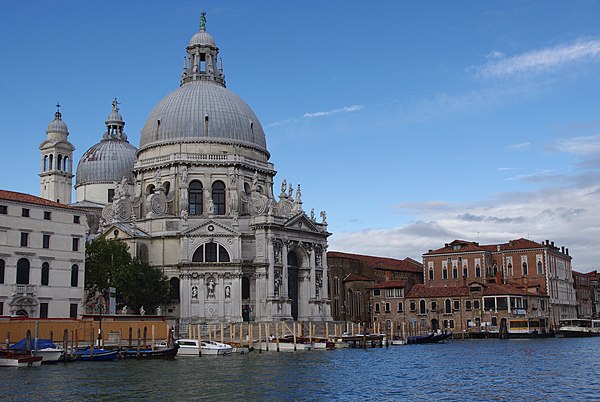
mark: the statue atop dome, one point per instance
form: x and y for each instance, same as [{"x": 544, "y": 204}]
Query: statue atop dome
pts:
[{"x": 203, "y": 21}]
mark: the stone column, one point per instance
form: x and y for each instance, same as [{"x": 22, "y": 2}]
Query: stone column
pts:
[
  {"x": 221, "y": 296},
  {"x": 284, "y": 276},
  {"x": 201, "y": 297},
  {"x": 271, "y": 275},
  {"x": 313, "y": 273},
  {"x": 236, "y": 297},
  {"x": 184, "y": 297},
  {"x": 325, "y": 287}
]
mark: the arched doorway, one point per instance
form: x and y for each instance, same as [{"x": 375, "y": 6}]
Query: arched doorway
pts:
[{"x": 293, "y": 265}]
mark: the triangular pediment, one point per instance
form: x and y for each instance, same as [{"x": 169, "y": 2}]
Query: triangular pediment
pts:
[
  {"x": 123, "y": 231},
  {"x": 301, "y": 222},
  {"x": 210, "y": 228}
]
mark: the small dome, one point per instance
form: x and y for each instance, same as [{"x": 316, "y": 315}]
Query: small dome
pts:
[
  {"x": 57, "y": 125},
  {"x": 202, "y": 38},
  {"x": 114, "y": 117},
  {"x": 108, "y": 161}
]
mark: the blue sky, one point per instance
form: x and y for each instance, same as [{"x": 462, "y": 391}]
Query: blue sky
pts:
[{"x": 410, "y": 123}]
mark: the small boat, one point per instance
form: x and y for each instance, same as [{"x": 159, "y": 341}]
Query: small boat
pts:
[
  {"x": 97, "y": 355},
  {"x": 143, "y": 354},
  {"x": 189, "y": 347},
  {"x": 238, "y": 348},
  {"x": 429, "y": 338},
  {"x": 286, "y": 344},
  {"x": 18, "y": 358},
  {"x": 576, "y": 328},
  {"x": 46, "y": 348}
]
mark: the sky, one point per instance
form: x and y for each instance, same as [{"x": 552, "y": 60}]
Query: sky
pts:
[{"x": 411, "y": 123}]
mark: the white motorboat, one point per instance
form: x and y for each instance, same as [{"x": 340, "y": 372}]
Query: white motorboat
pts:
[
  {"x": 579, "y": 328},
  {"x": 18, "y": 358},
  {"x": 190, "y": 347},
  {"x": 50, "y": 355}
]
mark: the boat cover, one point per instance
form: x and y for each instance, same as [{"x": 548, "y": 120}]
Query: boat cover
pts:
[{"x": 42, "y": 344}]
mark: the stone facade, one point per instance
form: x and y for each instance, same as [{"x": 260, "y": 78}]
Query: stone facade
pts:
[
  {"x": 42, "y": 250},
  {"x": 583, "y": 294}
]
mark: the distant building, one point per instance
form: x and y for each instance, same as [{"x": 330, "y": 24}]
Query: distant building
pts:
[
  {"x": 594, "y": 278},
  {"x": 353, "y": 278},
  {"x": 583, "y": 294},
  {"x": 42, "y": 251},
  {"x": 537, "y": 268}
]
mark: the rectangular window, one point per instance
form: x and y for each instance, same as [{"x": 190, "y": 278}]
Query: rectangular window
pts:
[
  {"x": 387, "y": 307},
  {"x": 489, "y": 303},
  {"x": 431, "y": 274},
  {"x": 444, "y": 273},
  {"x": 43, "y": 310},
  {"x": 46, "y": 241},
  {"x": 477, "y": 272},
  {"x": 468, "y": 305},
  {"x": 111, "y": 194},
  {"x": 465, "y": 272},
  {"x": 76, "y": 219},
  {"x": 476, "y": 304},
  {"x": 377, "y": 308},
  {"x": 25, "y": 213},
  {"x": 455, "y": 273},
  {"x": 47, "y": 215},
  {"x": 400, "y": 307},
  {"x": 24, "y": 239},
  {"x": 3, "y": 209},
  {"x": 73, "y": 310},
  {"x": 451, "y": 324},
  {"x": 75, "y": 244},
  {"x": 433, "y": 306},
  {"x": 413, "y": 306},
  {"x": 456, "y": 304},
  {"x": 376, "y": 292},
  {"x": 543, "y": 304},
  {"x": 502, "y": 303},
  {"x": 1, "y": 308}
]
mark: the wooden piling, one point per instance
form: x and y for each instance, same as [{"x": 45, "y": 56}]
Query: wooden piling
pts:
[
  {"x": 139, "y": 341},
  {"x": 259, "y": 338},
  {"x": 241, "y": 336},
  {"x": 222, "y": 333},
  {"x": 277, "y": 336},
  {"x": 145, "y": 337},
  {"x": 295, "y": 340},
  {"x": 199, "y": 341},
  {"x": 152, "y": 347}
]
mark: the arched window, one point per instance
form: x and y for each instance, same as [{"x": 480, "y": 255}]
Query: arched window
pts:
[
  {"x": 51, "y": 162},
  {"x": 422, "y": 308},
  {"x": 45, "y": 162},
  {"x": 478, "y": 271},
  {"x": 23, "y": 271},
  {"x": 167, "y": 187},
  {"x": 218, "y": 197},
  {"x": 448, "y": 306},
  {"x": 245, "y": 287},
  {"x": 150, "y": 189},
  {"x": 211, "y": 252},
  {"x": 540, "y": 268},
  {"x": 509, "y": 269},
  {"x": 430, "y": 274},
  {"x": 350, "y": 301},
  {"x": 525, "y": 269},
  {"x": 74, "y": 276},
  {"x": 174, "y": 288},
  {"x": 59, "y": 163},
  {"x": 45, "y": 274},
  {"x": 1, "y": 271},
  {"x": 357, "y": 304},
  {"x": 195, "y": 198},
  {"x": 66, "y": 164}
]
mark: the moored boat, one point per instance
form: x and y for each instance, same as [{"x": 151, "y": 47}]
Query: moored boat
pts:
[
  {"x": 18, "y": 358},
  {"x": 46, "y": 348},
  {"x": 191, "y": 347},
  {"x": 429, "y": 338},
  {"x": 143, "y": 354},
  {"x": 576, "y": 328},
  {"x": 97, "y": 355}
]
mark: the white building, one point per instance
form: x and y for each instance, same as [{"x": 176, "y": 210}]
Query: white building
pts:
[
  {"x": 42, "y": 249},
  {"x": 197, "y": 200}
]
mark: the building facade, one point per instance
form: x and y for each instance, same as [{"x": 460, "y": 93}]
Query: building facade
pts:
[
  {"x": 353, "y": 278},
  {"x": 42, "y": 251},
  {"x": 583, "y": 294},
  {"x": 537, "y": 268},
  {"x": 197, "y": 200}
]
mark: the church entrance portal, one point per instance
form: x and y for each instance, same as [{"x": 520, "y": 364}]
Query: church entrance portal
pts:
[{"x": 293, "y": 264}]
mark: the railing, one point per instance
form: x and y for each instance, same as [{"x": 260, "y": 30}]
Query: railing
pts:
[{"x": 24, "y": 289}]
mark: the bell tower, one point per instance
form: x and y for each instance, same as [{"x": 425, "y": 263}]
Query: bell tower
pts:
[{"x": 56, "y": 174}]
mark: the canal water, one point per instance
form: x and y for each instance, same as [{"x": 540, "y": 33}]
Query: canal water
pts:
[{"x": 482, "y": 370}]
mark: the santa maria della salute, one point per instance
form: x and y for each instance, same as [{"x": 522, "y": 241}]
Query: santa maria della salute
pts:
[{"x": 197, "y": 200}]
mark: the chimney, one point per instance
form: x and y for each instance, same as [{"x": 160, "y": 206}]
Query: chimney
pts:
[
  {"x": 567, "y": 251},
  {"x": 562, "y": 249},
  {"x": 552, "y": 243},
  {"x": 547, "y": 242}
]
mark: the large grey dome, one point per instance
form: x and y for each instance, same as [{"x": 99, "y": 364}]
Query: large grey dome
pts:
[
  {"x": 108, "y": 161},
  {"x": 203, "y": 111}
]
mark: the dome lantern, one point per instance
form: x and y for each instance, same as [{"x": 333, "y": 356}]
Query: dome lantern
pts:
[{"x": 201, "y": 58}]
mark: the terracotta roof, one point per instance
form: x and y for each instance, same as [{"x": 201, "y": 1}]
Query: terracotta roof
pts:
[
  {"x": 470, "y": 246},
  {"x": 400, "y": 283},
  {"x": 31, "y": 199},
  {"x": 390, "y": 264},
  {"x": 490, "y": 289},
  {"x": 357, "y": 277}
]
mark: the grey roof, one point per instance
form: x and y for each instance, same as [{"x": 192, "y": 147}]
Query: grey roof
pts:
[
  {"x": 182, "y": 116},
  {"x": 108, "y": 161},
  {"x": 202, "y": 38},
  {"x": 57, "y": 125}
]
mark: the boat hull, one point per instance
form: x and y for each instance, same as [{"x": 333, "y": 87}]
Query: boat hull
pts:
[
  {"x": 98, "y": 355},
  {"x": 145, "y": 354},
  {"x": 19, "y": 359}
]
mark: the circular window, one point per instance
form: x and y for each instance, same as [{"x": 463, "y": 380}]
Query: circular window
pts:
[{"x": 210, "y": 228}]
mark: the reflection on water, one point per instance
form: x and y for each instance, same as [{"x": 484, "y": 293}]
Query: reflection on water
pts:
[{"x": 460, "y": 370}]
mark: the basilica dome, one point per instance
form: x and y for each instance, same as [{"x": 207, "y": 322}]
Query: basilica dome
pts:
[
  {"x": 111, "y": 159},
  {"x": 202, "y": 109}
]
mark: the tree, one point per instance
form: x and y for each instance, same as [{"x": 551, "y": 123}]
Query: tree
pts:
[{"x": 109, "y": 264}]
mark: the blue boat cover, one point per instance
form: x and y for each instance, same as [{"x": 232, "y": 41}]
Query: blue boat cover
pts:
[{"x": 42, "y": 344}]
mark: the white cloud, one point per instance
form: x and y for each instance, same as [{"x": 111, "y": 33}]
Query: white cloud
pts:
[
  {"x": 537, "y": 61},
  {"x": 519, "y": 147},
  {"x": 582, "y": 145},
  {"x": 345, "y": 109},
  {"x": 567, "y": 216}
]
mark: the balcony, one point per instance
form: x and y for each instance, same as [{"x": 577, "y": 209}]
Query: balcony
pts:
[{"x": 24, "y": 290}]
